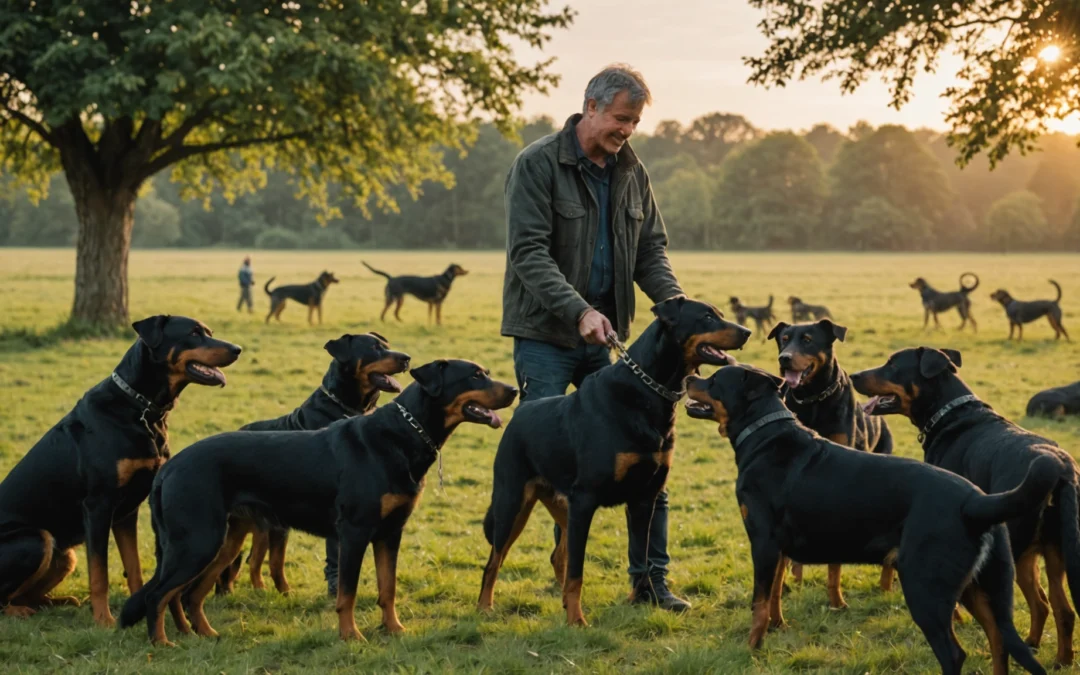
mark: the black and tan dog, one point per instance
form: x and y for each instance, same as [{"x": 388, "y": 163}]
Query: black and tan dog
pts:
[
  {"x": 432, "y": 290},
  {"x": 1056, "y": 402},
  {"x": 935, "y": 302},
  {"x": 362, "y": 366},
  {"x": 1019, "y": 312},
  {"x": 90, "y": 472},
  {"x": 309, "y": 295},
  {"x": 805, "y": 497},
  {"x": 609, "y": 442},
  {"x": 763, "y": 316},
  {"x": 800, "y": 311},
  {"x": 962, "y": 434},
  {"x": 358, "y": 479},
  {"x": 820, "y": 394}
]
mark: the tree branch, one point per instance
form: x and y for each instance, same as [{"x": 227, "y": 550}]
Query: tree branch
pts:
[
  {"x": 982, "y": 22},
  {"x": 182, "y": 152},
  {"x": 187, "y": 126},
  {"x": 38, "y": 127}
]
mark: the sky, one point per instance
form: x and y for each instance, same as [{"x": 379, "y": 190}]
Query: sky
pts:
[{"x": 690, "y": 52}]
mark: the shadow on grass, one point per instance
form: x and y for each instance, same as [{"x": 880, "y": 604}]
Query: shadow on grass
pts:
[{"x": 17, "y": 340}]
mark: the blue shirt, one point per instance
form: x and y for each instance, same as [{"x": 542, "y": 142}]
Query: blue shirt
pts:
[
  {"x": 601, "y": 289},
  {"x": 246, "y": 275}
]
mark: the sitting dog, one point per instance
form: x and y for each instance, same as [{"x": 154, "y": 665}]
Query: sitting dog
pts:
[
  {"x": 1020, "y": 312},
  {"x": 1056, "y": 402},
  {"x": 358, "y": 479},
  {"x": 820, "y": 394},
  {"x": 90, "y": 472},
  {"x": 960, "y": 433},
  {"x": 362, "y": 366},
  {"x": 432, "y": 290},
  {"x": 609, "y": 442},
  {"x": 306, "y": 294},
  {"x": 934, "y": 301},
  {"x": 800, "y": 311},
  {"x": 805, "y": 497},
  {"x": 763, "y": 316}
]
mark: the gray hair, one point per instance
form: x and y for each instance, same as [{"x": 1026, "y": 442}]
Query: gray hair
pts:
[{"x": 606, "y": 84}]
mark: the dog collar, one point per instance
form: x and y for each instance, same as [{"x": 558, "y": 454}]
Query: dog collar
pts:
[
  {"x": 349, "y": 412},
  {"x": 624, "y": 356},
  {"x": 427, "y": 439},
  {"x": 149, "y": 407},
  {"x": 833, "y": 388},
  {"x": 945, "y": 409},
  {"x": 768, "y": 419}
]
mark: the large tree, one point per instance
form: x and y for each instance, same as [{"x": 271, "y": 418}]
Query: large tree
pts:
[
  {"x": 1021, "y": 58},
  {"x": 356, "y": 94}
]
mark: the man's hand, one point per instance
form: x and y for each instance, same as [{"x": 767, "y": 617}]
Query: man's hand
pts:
[{"x": 594, "y": 327}]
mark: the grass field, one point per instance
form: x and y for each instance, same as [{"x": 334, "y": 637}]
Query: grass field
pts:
[{"x": 444, "y": 550}]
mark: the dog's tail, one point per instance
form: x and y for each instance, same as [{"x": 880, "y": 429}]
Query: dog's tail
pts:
[
  {"x": 266, "y": 286},
  {"x": 769, "y": 306},
  {"x": 1066, "y": 497},
  {"x": 134, "y": 609},
  {"x": 379, "y": 272},
  {"x": 1058, "y": 298},
  {"x": 968, "y": 289},
  {"x": 987, "y": 510}
]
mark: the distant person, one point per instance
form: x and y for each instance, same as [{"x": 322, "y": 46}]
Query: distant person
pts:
[
  {"x": 582, "y": 228},
  {"x": 247, "y": 280}
]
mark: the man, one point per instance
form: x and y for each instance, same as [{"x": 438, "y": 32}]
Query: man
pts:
[
  {"x": 582, "y": 227},
  {"x": 247, "y": 280}
]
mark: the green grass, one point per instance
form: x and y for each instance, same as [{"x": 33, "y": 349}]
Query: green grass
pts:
[{"x": 42, "y": 374}]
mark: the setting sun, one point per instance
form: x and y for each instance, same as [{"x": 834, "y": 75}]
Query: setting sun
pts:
[{"x": 1050, "y": 53}]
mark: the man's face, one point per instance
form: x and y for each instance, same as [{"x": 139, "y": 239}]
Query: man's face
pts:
[{"x": 614, "y": 125}]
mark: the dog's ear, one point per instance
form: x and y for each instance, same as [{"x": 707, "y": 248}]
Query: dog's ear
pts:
[
  {"x": 151, "y": 330},
  {"x": 838, "y": 332},
  {"x": 339, "y": 348},
  {"x": 430, "y": 376},
  {"x": 760, "y": 383},
  {"x": 378, "y": 337},
  {"x": 667, "y": 311},
  {"x": 934, "y": 362},
  {"x": 774, "y": 334},
  {"x": 954, "y": 356}
]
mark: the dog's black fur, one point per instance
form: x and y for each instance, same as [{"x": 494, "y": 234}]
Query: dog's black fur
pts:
[
  {"x": 935, "y": 301},
  {"x": 972, "y": 440},
  {"x": 800, "y": 311},
  {"x": 820, "y": 394},
  {"x": 1056, "y": 402},
  {"x": 1020, "y": 312},
  {"x": 90, "y": 472},
  {"x": 805, "y": 497},
  {"x": 432, "y": 290},
  {"x": 609, "y": 442},
  {"x": 358, "y": 479},
  {"x": 763, "y": 316},
  {"x": 310, "y": 295}
]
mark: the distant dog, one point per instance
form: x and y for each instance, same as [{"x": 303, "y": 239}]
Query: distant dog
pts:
[
  {"x": 1056, "y": 402},
  {"x": 306, "y": 294},
  {"x": 763, "y": 316},
  {"x": 432, "y": 290},
  {"x": 935, "y": 302},
  {"x": 1020, "y": 312},
  {"x": 800, "y": 311}
]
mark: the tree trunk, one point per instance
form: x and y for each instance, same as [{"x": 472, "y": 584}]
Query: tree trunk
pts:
[{"x": 105, "y": 218}]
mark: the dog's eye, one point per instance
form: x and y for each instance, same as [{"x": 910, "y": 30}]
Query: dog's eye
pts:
[
  {"x": 807, "y": 339},
  {"x": 196, "y": 332},
  {"x": 785, "y": 338}
]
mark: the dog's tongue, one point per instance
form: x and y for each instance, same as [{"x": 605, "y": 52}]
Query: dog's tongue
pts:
[
  {"x": 392, "y": 384},
  {"x": 793, "y": 378},
  {"x": 494, "y": 421},
  {"x": 869, "y": 406}
]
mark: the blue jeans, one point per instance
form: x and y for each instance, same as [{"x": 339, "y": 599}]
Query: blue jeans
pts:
[{"x": 544, "y": 370}]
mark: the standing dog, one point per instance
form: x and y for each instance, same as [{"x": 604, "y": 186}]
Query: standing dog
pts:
[
  {"x": 90, "y": 472},
  {"x": 432, "y": 290},
  {"x": 763, "y": 316},
  {"x": 1020, "y": 312},
  {"x": 800, "y": 311},
  {"x": 934, "y": 301},
  {"x": 820, "y": 394},
  {"x": 960, "y": 433},
  {"x": 306, "y": 294}
]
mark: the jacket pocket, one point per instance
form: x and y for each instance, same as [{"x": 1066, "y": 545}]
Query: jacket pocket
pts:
[{"x": 569, "y": 223}]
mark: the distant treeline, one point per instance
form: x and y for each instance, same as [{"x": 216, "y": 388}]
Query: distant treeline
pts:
[{"x": 721, "y": 184}]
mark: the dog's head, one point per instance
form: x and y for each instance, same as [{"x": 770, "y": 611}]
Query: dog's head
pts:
[
  {"x": 734, "y": 302},
  {"x": 368, "y": 360},
  {"x": 464, "y": 391},
  {"x": 700, "y": 330},
  {"x": 456, "y": 270},
  {"x": 919, "y": 284},
  {"x": 728, "y": 393},
  {"x": 908, "y": 377},
  {"x": 327, "y": 278},
  {"x": 806, "y": 349},
  {"x": 1002, "y": 296},
  {"x": 188, "y": 349},
  {"x": 793, "y": 300}
]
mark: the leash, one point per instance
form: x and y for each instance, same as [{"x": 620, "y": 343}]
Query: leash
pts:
[
  {"x": 624, "y": 356},
  {"x": 955, "y": 403},
  {"x": 833, "y": 388},
  {"x": 427, "y": 439},
  {"x": 148, "y": 405},
  {"x": 349, "y": 412},
  {"x": 768, "y": 419}
]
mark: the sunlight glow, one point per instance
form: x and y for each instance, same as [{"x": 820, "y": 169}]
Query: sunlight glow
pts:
[
  {"x": 1070, "y": 125},
  {"x": 1050, "y": 53}
]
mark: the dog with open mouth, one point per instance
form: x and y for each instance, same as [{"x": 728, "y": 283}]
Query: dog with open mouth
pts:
[
  {"x": 803, "y": 496},
  {"x": 962, "y": 434},
  {"x": 820, "y": 394},
  {"x": 361, "y": 367},
  {"x": 359, "y": 479},
  {"x": 90, "y": 472},
  {"x": 610, "y": 442}
]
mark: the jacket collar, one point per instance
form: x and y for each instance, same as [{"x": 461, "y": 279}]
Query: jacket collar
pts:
[{"x": 625, "y": 159}]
